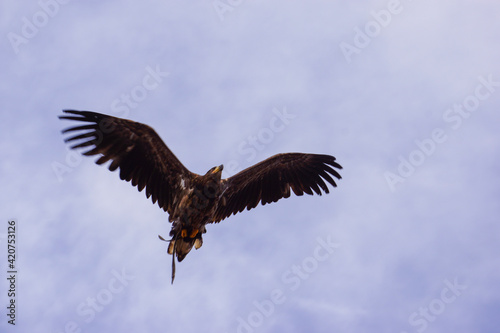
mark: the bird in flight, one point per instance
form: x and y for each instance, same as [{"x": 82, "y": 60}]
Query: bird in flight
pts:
[{"x": 193, "y": 200}]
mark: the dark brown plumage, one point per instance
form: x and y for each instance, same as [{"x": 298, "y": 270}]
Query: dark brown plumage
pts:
[{"x": 192, "y": 200}]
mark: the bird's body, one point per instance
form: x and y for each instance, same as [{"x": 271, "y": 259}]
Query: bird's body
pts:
[
  {"x": 198, "y": 202},
  {"x": 193, "y": 200}
]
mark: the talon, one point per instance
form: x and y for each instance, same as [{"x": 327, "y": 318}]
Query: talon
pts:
[
  {"x": 183, "y": 233},
  {"x": 193, "y": 233}
]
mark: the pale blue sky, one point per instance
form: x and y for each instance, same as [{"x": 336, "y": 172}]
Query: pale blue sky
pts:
[{"x": 404, "y": 93}]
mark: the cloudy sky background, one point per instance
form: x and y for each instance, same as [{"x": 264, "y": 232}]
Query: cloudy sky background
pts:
[{"x": 414, "y": 221}]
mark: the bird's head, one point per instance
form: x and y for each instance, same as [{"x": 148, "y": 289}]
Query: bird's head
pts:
[{"x": 215, "y": 171}]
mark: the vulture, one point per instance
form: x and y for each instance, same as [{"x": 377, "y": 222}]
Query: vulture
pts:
[{"x": 193, "y": 200}]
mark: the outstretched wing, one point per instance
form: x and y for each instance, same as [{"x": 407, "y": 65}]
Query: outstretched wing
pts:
[
  {"x": 273, "y": 178},
  {"x": 141, "y": 155}
]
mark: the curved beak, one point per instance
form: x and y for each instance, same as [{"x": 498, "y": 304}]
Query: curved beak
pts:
[{"x": 218, "y": 168}]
